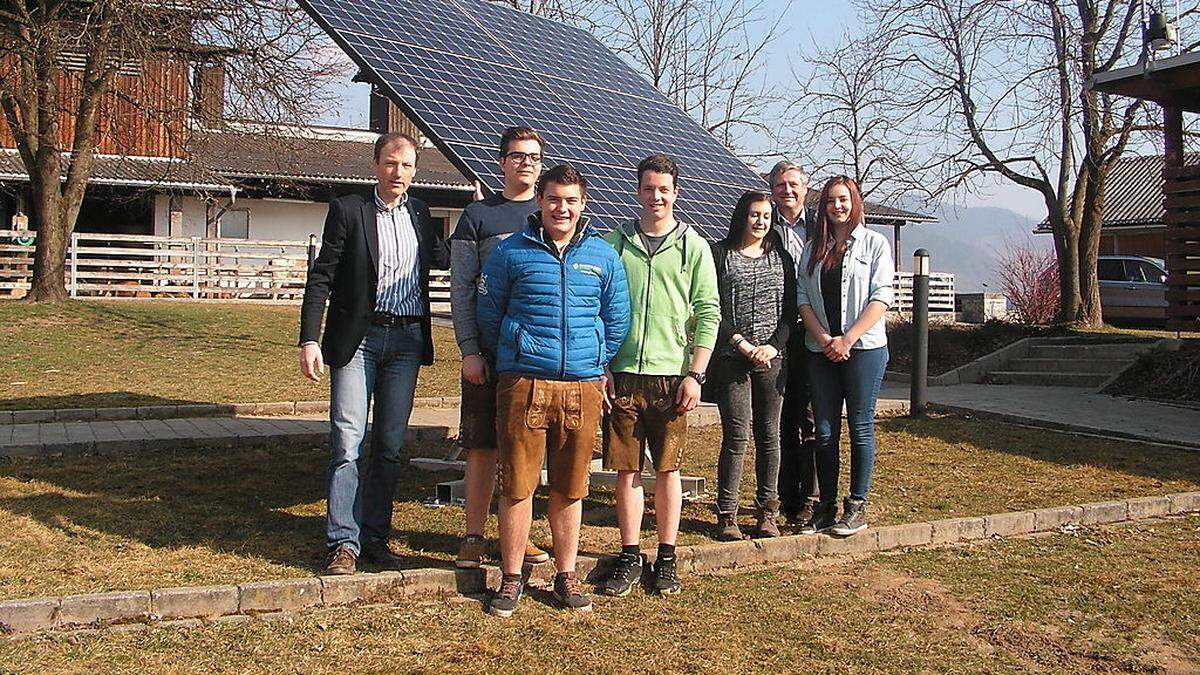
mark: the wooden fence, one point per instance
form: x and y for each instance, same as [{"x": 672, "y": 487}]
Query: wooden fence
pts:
[
  {"x": 191, "y": 268},
  {"x": 1181, "y": 190},
  {"x": 243, "y": 270}
]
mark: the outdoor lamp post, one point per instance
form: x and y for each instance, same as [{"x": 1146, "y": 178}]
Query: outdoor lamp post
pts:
[{"x": 920, "y": 341}]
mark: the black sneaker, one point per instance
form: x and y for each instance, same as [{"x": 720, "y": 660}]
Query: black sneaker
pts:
[
  {"x": 625, "y": 575},
  {"x": 824, "y": 517},
  {"x": 854, "y": 518},
  {"x": 504, "y": 602},
  {"x": 666, "y": 580},
  {"x": 568, "y": 594}
]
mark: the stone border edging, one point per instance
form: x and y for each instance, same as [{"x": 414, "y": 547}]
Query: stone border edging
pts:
[
  {"x": 136, "y": 610},
  {"x": 158, "y": 412}
]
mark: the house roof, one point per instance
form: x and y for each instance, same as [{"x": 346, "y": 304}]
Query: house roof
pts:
[
  {"x": 1134, "y": 195},
  {"x": 131, "y": 171},
  {"x": 242, "y": 154}
]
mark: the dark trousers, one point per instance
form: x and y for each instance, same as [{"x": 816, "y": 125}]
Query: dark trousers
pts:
[
  {"x": 797, "y": 444},
  {"x": 749, "y": 399}
]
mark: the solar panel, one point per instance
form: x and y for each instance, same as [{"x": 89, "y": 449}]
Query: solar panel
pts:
[{"x": 464, "y": 70}]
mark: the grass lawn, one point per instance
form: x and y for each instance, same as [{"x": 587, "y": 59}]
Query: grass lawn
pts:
[
  {"x": 95, "y": 354},
  {"x": 1121, "y": 599},
  {"x": 154, "y": 520}
]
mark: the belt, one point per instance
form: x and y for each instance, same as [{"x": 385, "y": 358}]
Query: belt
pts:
[{"x": 391, "y": 320}]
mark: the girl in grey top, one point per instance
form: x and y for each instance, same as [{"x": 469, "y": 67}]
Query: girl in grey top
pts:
[{"x": 756, "y": 280}]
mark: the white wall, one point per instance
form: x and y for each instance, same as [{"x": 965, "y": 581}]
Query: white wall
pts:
[{"x": 287, "y": 220}]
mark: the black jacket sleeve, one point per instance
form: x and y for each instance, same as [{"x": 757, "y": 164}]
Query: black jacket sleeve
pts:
[
  {"x": 320, "y": 278},
  {"x": 725, "y": 330},
  {"x": 787, "y": 317}
]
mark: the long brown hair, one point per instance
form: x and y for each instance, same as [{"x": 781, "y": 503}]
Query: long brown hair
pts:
[
  {"x": 740, "y": 221},
  {"x": 822, "y": 243}
]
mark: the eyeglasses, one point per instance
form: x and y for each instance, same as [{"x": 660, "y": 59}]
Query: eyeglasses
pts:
[{"x": 522, "y": 157}]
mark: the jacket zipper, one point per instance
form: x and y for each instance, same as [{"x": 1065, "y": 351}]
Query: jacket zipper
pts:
[
  {"x": 562, "y": 369},
  {"x": 646, "y": 302}
]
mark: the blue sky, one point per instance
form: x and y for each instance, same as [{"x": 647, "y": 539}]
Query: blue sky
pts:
[{"x": 804, "y": 22}]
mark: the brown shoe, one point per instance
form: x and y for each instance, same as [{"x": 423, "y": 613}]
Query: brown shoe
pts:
[
  {"x": 767, "y": 513},
  {"x": 341, "y": 560},
  {"x": 470, "y": 552},
  {"x": 378, "y": 553},
  {"x": 535, "y": 555}
]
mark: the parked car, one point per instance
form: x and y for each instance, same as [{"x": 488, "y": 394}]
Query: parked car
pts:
[{"x": 1132, "y": 287}]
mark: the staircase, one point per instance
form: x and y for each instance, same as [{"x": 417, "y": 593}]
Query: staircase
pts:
[{"x": 1052, "y": 363}]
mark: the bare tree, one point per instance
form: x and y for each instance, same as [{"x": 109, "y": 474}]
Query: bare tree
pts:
[
  {"x": 707, "y": 56},
  {"x": 852, "y": 116},
  {"x": 70, "y": 80},
  {"x": 1002, "y": 84}
]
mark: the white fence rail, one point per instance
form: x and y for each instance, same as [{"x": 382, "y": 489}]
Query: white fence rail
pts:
[
  {"x": 941, "y": 293},
  {"x": 245, "y": 270},
  {"x": 144, "y": 266}
]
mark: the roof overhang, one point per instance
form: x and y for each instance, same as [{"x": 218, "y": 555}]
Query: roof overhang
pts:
[
  {"x": 1173, "y": 82},
  {"x": 132, "y": 182}
]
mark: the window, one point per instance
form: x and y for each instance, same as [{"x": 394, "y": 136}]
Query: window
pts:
[
  {"x": 235, "y": 224},
  {"x": 1110, "y": 270},
  {"x": 1148, "y": 272}
]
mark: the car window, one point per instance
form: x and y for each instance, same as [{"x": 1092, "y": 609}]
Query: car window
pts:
[
  {"x": 1150, "y": 272},
  {"x": 1110, "y": 270}
]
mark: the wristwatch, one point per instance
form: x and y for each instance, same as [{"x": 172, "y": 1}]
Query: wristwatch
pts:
[{"x": 697, "y": 376}]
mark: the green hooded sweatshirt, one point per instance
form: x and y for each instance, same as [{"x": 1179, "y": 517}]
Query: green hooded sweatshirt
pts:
[{"x": 674, "y": 299}]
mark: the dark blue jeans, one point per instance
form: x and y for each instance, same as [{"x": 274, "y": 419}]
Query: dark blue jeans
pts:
[
  {"x": 361, "y": 488},
  {"x": 855, "y": 383}
]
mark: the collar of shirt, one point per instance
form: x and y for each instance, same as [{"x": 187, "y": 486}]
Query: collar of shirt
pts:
[{"x": 381, "y": 205}]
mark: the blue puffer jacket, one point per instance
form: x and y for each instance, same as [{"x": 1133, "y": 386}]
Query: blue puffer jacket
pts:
[{"x": 549, "y": 317}]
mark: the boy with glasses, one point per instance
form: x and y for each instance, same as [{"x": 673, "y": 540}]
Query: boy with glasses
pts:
[{"x": 481, "y": 228}]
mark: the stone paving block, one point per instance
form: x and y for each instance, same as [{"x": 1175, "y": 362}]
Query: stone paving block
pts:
[
  {"x": 863, "y": 542},
  {"x": 274, "y": 596},
  {"x": 241, "y": 408},
  {"x": 280, "y": 408},
  {"x": 52, "y": 432},
  {"x": 1007, "y": 524},
  {"x": 74, "y": 414},
  {"x": 156, "y": 412},
  {"x": 429, "y": 581},
  {"x": 786, "y": 548},
  {"x": 196, "y": 410},
  {"x": 186, "y": 603},
  {"x": 953, "y": 530},
  {"x": 1053, "y": 518},
  {"x": 1185, "y": 502},
  {"x": 6, "y": 417},
  {"x": 224, "y": 410},
  {"x": 79, "y": 432},
  {"x": 1149, "y": 507},
  {"x": 32, "y": 416},
  {"x": 343, "y": 590},
  {"x": 116, "y": 413},
  {"x": 105, "y": 607},
  {"x": 901, "y": 536},
  {"x": 24, "y": 616},
  {"x": 311, "y": 407},
  {"x": 725, "y": 555},
  {"x": 1098, "y": 513}
]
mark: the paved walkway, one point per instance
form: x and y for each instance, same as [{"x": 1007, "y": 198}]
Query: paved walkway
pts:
[
  {"x": 1075, "y": 409},
  {"x": 114, "y": 436}
]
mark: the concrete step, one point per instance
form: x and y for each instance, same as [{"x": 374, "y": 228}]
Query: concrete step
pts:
[
  {"x": 1127, "y": 350},
  {"x": 1048, "y": 379},
  {"x": 1106, "y": 366}
]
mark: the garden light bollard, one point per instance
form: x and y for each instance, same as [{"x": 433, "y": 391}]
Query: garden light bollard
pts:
[{"x": 920, "y": 326}]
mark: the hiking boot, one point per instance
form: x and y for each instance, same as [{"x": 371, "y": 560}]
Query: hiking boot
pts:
[
  {"x": 800, "y": 518},
  {"x": 768, "y": 513},
  {"x": 727, "y": 528},
  {"x": 470, "y": 552},
  {"x": 666, "y": 580},
  {"x": 568, "y": 594},
  {"x": 854, "y": 518},
  {"x": 824, "y": 517},
  {"x": 535, "y": 555},
  {"x": 626, "y": 573},
  {"x": 378, "y": 553},
  {"x": 342, "y": 560},
  {"x": 504, "y": 602}
]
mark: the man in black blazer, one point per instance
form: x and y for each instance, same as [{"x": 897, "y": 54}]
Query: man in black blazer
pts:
[{"x": 373, "y": 269}]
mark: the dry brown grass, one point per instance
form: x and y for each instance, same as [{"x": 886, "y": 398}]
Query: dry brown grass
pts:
[
  {"x": 199, "y": 517},
  {"x": 100, "y": 354},
  {"x": 1104, "y": 600}
]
